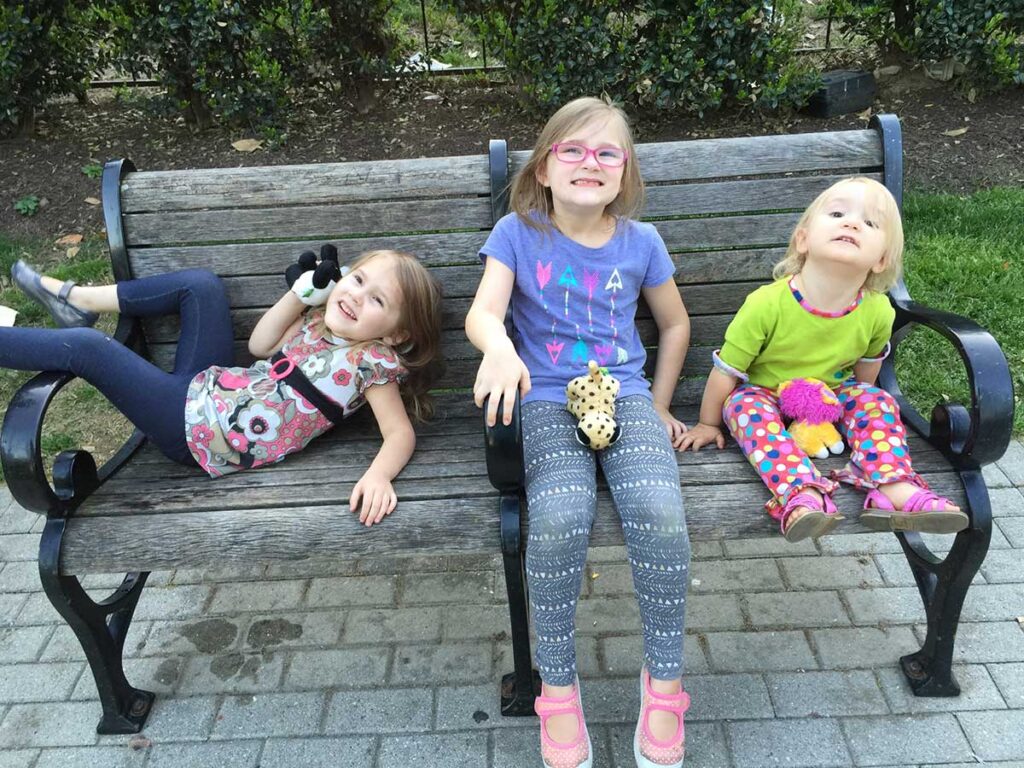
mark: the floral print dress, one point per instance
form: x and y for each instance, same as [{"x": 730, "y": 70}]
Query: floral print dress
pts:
[{"x": 239, "y": 418}]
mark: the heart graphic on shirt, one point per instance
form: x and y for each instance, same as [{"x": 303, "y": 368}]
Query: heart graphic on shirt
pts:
[
  {"x": 603, "y": 352},
  {"x": 555, "y": 349},
  {"x": 543, "y": 274}
]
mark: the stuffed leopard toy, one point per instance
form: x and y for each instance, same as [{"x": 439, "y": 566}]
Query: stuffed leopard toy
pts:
[{"x": 591, "y": 399}]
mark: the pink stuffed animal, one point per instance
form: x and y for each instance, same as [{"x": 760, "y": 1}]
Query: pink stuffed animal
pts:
[{"x": 814, "y": 409}]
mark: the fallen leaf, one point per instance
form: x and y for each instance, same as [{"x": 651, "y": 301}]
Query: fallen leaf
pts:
[
  {"x": 866, "y": 114},
  {"x": 139, "y": 742},
  {"x": 247, "y": 145},
  {"x": 955, "y": 132},
  {"x": 69, "y": 240},
  {"x": 72, "y": 251},
  {"x": 92, "y": 200}
]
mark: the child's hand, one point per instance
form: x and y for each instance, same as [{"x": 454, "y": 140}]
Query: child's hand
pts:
[
  {"x": 501, "y": 373},
  {"x": 313, "y": 281},
  {"x": 676, "y": 429},
  {"x": 700, "y": 435},
  {"x": 377, "y": 496}
]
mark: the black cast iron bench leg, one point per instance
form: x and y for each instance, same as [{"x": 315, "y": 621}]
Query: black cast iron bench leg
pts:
[
  {"x": 520, "y": 687},
  {"x": 101, "y": 629},
  {"x": 943, "y": 585}
]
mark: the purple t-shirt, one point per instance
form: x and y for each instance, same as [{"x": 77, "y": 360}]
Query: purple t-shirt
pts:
[{"x": 572, "y": 304}]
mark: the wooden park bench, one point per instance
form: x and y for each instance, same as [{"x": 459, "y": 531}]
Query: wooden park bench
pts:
[{"x": 725, "y": 207}]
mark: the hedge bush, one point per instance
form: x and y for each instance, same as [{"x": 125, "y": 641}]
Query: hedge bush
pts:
[
  {"x": 42, "y": 55},
  {"x": 983, "y": 35},
  {"x": 691, "y": 55}
]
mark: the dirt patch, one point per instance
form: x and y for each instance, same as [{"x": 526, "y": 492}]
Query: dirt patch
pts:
[{"x": 444, "y": 117}]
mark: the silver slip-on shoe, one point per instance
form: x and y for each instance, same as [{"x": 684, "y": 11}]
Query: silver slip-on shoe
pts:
[{"x": 64, "y": 314}]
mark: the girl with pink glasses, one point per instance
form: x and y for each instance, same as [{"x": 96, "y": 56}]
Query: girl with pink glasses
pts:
[{"x": 573, "y": 262}]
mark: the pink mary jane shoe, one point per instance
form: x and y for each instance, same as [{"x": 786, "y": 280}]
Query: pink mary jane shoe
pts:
[
  {"x": 555, "y": 754},
  {"x": 649, "y": 751}
]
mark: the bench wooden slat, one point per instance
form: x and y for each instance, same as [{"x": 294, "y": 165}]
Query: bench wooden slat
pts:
[
  {"x": 725, "y": 234},
  {"x": 139, "y": 542},
  {"x": 752, "y": 155},
  {"x": 322, "y": 222},
  {"x": 261, "y": 186},
  {"x": 745, "y": 196},
  {"x": 231, "y": 259}
]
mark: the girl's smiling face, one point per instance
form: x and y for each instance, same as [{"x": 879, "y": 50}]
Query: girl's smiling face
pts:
[
  {"x": 366, "y": 304},
  {"x": 581, "y": 187}
]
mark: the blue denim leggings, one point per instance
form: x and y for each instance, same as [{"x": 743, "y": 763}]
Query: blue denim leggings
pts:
[
  {"x": 561, "y": 492},
  {"x": 152, "y": 399}
]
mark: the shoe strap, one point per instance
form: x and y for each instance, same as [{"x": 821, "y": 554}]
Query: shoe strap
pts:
[
  {"x": 925, "y": 500},
  {"x": 65, "y": 290},
  {"x": 878, "y": 500},
  {"x": 676, "y": 704}
]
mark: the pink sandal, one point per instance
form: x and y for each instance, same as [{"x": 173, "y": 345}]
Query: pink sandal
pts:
[
  {"x": 649, "y": 751},
  {"x": 925, "y": 511},
  {"x": 577, "y": 753},
  {"x": 821, "y": 517}
]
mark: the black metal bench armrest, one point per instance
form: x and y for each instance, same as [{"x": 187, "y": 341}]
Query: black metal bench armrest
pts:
[
  {"x": 504, "y": 448},
  {"x": 74, "y": 472},
  {"x": 970, "y": 437}
]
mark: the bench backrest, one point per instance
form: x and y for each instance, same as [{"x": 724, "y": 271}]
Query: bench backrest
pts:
[{"x": 725, "y": 208}]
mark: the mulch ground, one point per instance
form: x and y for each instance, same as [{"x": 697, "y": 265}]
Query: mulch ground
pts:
[{"x": 442, "y": 117}]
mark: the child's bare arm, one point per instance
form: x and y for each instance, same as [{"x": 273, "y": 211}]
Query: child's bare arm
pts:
[
  {"x": 501, "y": 371},
  {"x": 277, "y": 324},
  {"x": 373, "y": 495},
  {"x": 867, "y": 371},
  {"x": 709, "y": 428}
]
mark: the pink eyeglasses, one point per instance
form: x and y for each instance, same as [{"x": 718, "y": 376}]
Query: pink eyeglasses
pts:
[{"x": 609, "y": 157}]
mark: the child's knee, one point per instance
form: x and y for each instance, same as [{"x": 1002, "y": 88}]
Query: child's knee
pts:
[
  {"x": 564, "y": 520},
  {"x": 203, "y": 284}
]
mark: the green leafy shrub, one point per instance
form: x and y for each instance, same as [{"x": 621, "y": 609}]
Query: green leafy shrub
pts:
[
  {"x": 691, "y": 55},
  {"x": 42, "y": 54},
  {"x": 983, "y": 35},
  {"x": 215, "y": 57},
  {"x": 355, "y": 44}
]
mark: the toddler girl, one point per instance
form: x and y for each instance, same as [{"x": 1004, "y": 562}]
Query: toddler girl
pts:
[
  {"x": 378, "y": 331},
  {"x": 825, "y": 317},
  {"x": 573, "y": 262}
]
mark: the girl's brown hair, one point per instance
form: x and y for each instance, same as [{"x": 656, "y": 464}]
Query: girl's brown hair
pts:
[
  {"x": 420, "y": 322},
  {"x": 888, "y": 211},
  {"x": 528, "y": 195}
]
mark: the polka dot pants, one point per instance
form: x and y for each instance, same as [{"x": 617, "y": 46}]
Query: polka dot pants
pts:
[{"x": 870, "y": 423}]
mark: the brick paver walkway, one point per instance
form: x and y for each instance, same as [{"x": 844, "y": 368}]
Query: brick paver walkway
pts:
[{"x": 791, "y": 658}]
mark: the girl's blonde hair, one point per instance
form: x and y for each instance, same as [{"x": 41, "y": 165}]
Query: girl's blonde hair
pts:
[
  {"x": 419, "y": 319},
  {"x": 892, "y": 227},
  {"x": 528, "y": 196}
]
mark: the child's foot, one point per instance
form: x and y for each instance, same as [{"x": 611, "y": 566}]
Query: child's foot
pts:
[
  {"x": 53, "y": 295},
  {"x": 904, "y": 506},
  {"x": 808, "y": 513},
  {"x": 564, "y": 741},
  {"x": 660, "y": 737}
]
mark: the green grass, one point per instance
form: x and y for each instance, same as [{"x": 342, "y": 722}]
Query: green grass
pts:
[{"x": 964, "y": 255}]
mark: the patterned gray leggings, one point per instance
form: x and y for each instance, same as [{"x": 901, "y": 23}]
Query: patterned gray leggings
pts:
[{"x": 561, "y": 491}]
